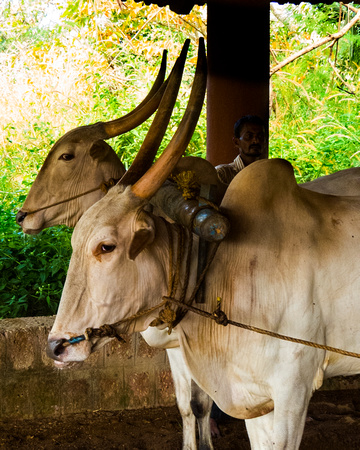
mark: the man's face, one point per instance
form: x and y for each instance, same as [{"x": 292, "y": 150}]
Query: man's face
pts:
[{"x": 251, "y": 142}]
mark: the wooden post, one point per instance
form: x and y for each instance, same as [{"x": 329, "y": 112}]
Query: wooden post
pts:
[{"x": 238, "y": 77}]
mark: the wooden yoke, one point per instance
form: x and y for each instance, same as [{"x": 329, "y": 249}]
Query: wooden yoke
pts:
[
  {"x": 197, "y": 209},
  {"x": 193, "y": 210}
]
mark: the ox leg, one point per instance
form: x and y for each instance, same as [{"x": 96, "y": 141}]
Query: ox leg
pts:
[
  {"x": 290, "y": 409},
  {"x": 182, "y": 384},
  {"x": 283, "y": 427},
  {"x": 201, "y": 407},
  {"x": 260, "y": 431}
]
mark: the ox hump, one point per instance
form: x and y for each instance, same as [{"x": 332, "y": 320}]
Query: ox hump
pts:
[{"x": 262, "y": 182}]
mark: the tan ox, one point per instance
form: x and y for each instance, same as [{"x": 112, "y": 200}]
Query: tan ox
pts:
[
  {"x": 81, "y": 161},
  {"x": 289, "y": 266}
]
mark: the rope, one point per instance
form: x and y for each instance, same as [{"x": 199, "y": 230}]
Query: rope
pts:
[
  {"x": 167, "y": 315},
  {"x": 221, "y": 319},
  {"x": 108, "y": 330},
  {"x": 187, "y": 305},
  {"x": 208, "y": 203},
  {"x": 104, "y": 186},
  {"x": 187, "y": 183}
]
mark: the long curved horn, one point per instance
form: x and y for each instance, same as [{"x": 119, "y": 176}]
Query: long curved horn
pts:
[
  {"x": 153, "y": 179},
  {"x": 152, "y": 141},
  {"x": 157, "y": 84},
  {"x": 144, "y": 110},
  {"x": 107, "y": 130}
]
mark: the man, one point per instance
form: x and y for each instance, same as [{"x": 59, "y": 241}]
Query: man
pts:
[{"x": 250, "y": 141}]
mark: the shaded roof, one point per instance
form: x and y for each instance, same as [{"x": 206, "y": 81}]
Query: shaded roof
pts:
[{"x": 185, "y": 6}]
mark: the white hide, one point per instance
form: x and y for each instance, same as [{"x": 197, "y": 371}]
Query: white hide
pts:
[{"x": 293, "y": 270}]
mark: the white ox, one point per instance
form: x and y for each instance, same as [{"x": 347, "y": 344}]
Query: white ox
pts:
[
  {"x": 289, "y": 265},
  {"x": 103, "y": 164},
  {"x": 189, "y": 398}
]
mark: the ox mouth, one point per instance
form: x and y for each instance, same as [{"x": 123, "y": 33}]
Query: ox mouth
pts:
[
  {"x": 31, "y": 230},
  {"x": 59, "y": 364},
  {"x": 66, "y": 365}
]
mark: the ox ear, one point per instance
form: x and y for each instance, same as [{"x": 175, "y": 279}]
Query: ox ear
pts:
[
  {"x": 143, "y": 234},
  {"x": 99, "y": 150}
]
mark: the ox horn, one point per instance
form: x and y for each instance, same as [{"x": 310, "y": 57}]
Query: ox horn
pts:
[
  {"x": 107, "y": 130},
  {"x": 144, "y": 110},
  {"x": 154, "y": 136},
  {"x": 154, "y": 178}
]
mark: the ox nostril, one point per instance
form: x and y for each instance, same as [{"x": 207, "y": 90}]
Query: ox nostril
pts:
[
  {"x": 59, "y": 349},
  {"x": 20, "y": 217},
  {"x": 56, "y": 348}
]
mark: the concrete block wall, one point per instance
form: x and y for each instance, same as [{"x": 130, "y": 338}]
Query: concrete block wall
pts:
[{"x": 119, "y": 376}]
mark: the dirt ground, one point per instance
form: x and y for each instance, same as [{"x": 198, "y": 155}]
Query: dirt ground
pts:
[{"x": 333, "y": 423}]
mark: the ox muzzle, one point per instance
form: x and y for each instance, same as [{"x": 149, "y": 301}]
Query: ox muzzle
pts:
[
  {"x": 20, "y": 217},
  {"x": 56, "y": 348}
]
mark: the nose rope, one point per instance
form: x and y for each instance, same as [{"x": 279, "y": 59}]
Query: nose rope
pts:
[
  {"x": 109, "y": 330},
  {"x": 104, "y": 186}
]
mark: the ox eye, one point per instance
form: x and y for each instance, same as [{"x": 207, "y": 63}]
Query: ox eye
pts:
[
  {"x": 66, "y": 157},
  {"x": 107, "y": 248}
]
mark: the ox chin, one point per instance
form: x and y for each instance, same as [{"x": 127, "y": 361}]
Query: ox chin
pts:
[
  {"x": 32, "y": 227},
  {"x": 31, "y": 230},
  {"x": 66, "y": 365}
]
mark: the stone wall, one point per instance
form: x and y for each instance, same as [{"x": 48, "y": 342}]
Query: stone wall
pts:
[{"x": 119, "y": 376}]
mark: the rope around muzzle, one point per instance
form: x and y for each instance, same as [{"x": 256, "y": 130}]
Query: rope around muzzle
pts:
[
  {"x": 104, "y": 186},
  {"x": 109, "y": 330}
]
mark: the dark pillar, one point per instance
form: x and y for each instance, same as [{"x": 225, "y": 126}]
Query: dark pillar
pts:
[{"x": 238, "y": 79}]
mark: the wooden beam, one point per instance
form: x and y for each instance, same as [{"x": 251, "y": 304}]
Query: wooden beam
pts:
[{"x": 238, "y": 77}]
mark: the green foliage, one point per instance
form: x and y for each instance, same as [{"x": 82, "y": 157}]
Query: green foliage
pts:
[
  {"x": 316, "y": 110},
  {"x": 32, "y": 269},
  {"x": 99, "y": 62}
]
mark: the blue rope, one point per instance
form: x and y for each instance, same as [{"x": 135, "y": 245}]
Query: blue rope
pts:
[{"x": 74, "y": 340}]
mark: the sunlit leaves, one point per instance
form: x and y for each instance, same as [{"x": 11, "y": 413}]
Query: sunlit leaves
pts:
[
  {"x": 96, "y": 63},
  {"x": 315, "y": 119}
]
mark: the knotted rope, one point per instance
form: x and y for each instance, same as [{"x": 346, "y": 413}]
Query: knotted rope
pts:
[
  {"x": 109, "y": 330},
  {"x": 187, "y": 183},
  {"x": 220, "y": 318}
]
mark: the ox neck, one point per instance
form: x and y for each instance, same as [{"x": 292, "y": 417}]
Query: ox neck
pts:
[{"x": 184, "y": 280}]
